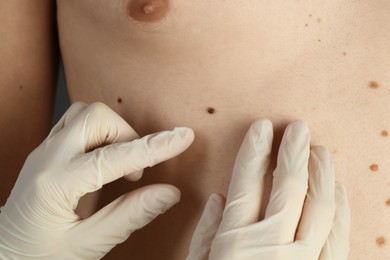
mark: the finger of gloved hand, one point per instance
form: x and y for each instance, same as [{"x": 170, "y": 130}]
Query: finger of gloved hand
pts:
[
  {"x": 114, "y": 161},
  {"x": 117, "y": 221},
  {"x": 95, "y": 126},
  {"x": 319, "y": 208},
  {"x": 72, "y": 111},
  {"x": 207, "y": 228},
  {"x": 337, "y": 245},
  {"x": 290, "y": 181},
  {"x": 246, "y": 186}
]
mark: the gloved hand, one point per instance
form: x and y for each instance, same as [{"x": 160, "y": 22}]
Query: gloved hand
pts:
[
  {"x": 299, "y": 223},
  {"x": 89, "y": 147}
]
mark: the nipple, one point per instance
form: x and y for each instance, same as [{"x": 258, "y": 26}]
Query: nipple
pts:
[{"x": 148, "y": 10}]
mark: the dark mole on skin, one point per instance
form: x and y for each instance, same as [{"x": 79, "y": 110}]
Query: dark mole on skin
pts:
[
  {"x": 380, "y": 241},
  {"x": 211, "y": 110},
  {"x": 374, "y": 167},
  {"x": 119, "y": 100},
  {"x": 373, "y": 85},
  {"x": 148, "y": 10},
  {"x": 20, "y": 87},
  {"x": 384, "y": 133},
  {"x": 388, "y": 202}
]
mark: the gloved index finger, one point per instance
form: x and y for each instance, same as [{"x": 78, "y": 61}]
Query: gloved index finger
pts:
[
  {"x": 246, "y": 186},
  {"x": 114, "y": 161}
]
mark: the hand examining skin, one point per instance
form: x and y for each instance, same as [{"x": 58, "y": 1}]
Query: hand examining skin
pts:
[
  {"x": 89, "y": 147},
  {"x": 307, "y": 217}
]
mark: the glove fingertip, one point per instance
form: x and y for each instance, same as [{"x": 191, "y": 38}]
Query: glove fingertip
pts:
[
  {"x": 166, "y": 197},
  {"x": 185, "y": 133}
]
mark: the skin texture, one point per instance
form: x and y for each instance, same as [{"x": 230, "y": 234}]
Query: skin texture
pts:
[
  {"x": 27, "y": 79},
  {"x": 279, "y": 60}
]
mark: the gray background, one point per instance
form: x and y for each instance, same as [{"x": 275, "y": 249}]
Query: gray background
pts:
[{"x": 61, "y": 103}]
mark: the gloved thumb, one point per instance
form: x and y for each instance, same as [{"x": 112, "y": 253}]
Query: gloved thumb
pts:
[
  {"x": 207, "y": 228},
  {"x": 114, "y": 223}
]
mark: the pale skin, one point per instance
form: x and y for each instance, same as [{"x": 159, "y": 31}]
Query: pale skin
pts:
[{"x": 323, "y": 62}]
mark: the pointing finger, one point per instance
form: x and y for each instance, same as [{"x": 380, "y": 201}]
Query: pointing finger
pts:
[
  {"x": 117, "y": 221},
  {"x": 246, "y": 187},
  {"x": 114, "y": 161}
]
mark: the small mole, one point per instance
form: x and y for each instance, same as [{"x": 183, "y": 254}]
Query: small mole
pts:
[
  {"x": 373, "y": 85},
  {"x": 344, "y": 53},
  {"x": 388, "y": 202},
  {"x": 20, "y": 87},
  {"x": 306, "y": 25},
  {"x": 309, "y": 15},
  {"x": 380, "y": 241},
  {"x": 148, "y": 10},
  {"x": 119, "y": 100},
  {"x": 211, "y": 110},
  {"x": 319, "y": 40},
  {"x": 374, "y": 167},
  {"x": 318, "y": 20},
  {"x": 384, "y": 133}
]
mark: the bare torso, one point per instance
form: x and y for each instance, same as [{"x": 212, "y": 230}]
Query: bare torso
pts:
[{"x": 217, "y": 66}]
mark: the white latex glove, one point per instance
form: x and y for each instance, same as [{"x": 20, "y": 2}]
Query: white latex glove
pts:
[
  {"x": 89, "y": 147},
  {"x": 293, "y": 228}
]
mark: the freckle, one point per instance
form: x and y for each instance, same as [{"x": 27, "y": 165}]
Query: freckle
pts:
[
  {"x": 373, "y": 85},
  {"x": 319, "y": 40},
  {"x": 374, "y": 167},
  {"x": 306, "y": 25},
  {"x": 20, "y": 87},
  {"x": 344, "y": 53},
  {"x": 318, "y": 20},
  {"x": 119, "y": 100},
  {"x": 380, "y": 241},
  {"x": 211, "y": 110},
  {"x": 309, "y": 15},
  {"x": 384, "y": 133},
  {"x": 388, "y": 202}
]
